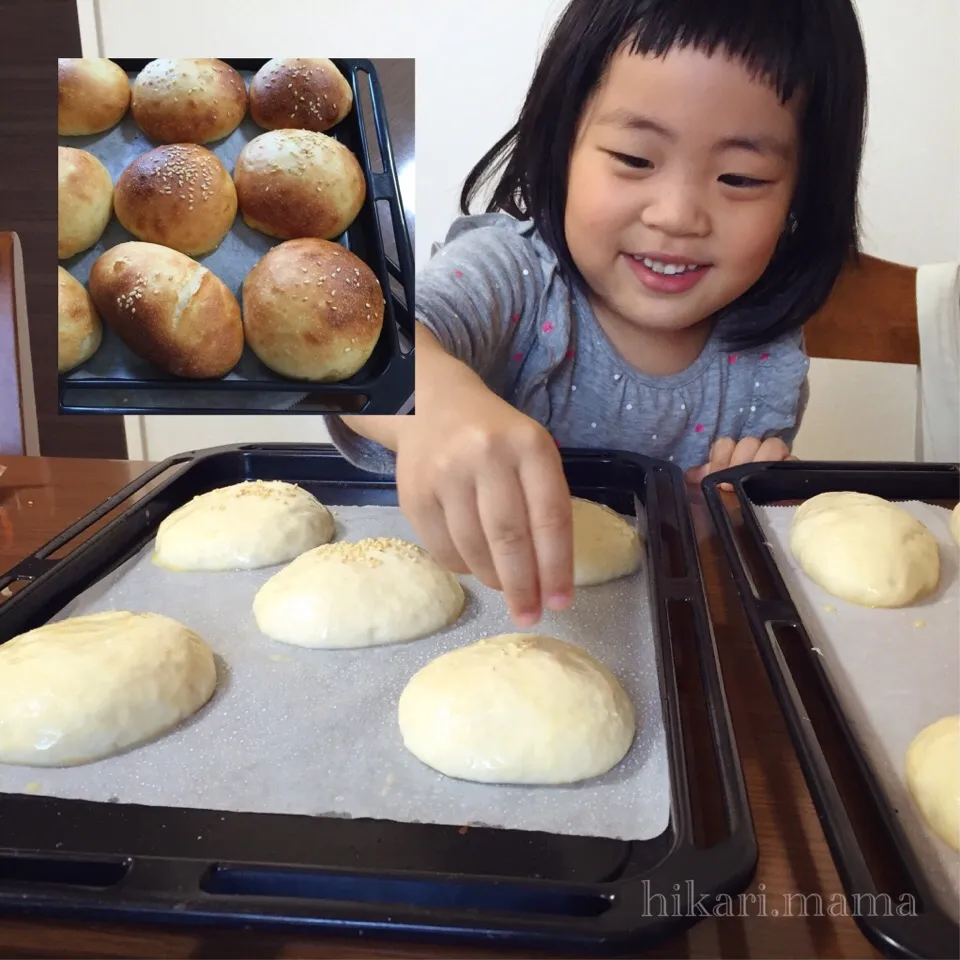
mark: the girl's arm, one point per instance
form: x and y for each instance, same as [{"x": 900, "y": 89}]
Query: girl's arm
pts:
[
  {"x": 481, "y": 483},
  {"x": 437, "y": 372},
  {"x": 382, "y": 430},
  {"x": 466, "y": 297}
]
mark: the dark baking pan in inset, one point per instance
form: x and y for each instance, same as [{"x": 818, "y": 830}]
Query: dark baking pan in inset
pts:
[
  {"x": 874, "y": 858},
  {"x": 528, "y": 889},
  {"x": 116, "y": 380}
]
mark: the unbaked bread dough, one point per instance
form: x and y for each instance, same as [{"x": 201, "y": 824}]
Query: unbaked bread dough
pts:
[
  {"x": 605, "y": 545},
  {"x": 932, "y": 770},
  {"x": 955, "y": 523},
  {"x": 865, "y": 549},
  {"x": 257, "y": 523},
  {"x": 517, "y": 708},
  {"x": 88, "y": 687},
  {"x": 363, "y": 594}
]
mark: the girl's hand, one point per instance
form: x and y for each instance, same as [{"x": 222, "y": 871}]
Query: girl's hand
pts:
[
  {"x": 483, "y": 486},
  {"x": 730, "y": 453}
]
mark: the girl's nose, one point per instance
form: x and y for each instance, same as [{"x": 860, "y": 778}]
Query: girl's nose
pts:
[{"x": 677, "y": 209}]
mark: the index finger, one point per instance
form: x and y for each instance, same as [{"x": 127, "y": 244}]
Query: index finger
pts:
[
  {"x": 503, "y": 515},
  {"x": 550, "y": 514}
]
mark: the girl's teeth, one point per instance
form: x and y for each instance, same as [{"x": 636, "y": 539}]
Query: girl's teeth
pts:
[{"x": 667, "y": 268}]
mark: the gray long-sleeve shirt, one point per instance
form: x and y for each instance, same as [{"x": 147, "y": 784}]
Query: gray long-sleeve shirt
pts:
[{"x": 494, "y": 298}]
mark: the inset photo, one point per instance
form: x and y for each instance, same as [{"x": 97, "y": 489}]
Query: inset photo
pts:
[{"x": 232, "y": 236}]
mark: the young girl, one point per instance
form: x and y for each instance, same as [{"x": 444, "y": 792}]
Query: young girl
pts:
[{"x": 676, "y": 199}]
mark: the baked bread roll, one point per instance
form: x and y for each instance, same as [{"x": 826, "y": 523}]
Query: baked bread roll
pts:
[
  {"x": 312, "y": 310},
  {"x": 299, "y": 92},
  {"x": 92, "y": 95},
  {"x": 188, "y": 101},
  {"x": 84, "y": 201},
  {"x": 180, "y": 196},
  {"x": 297, "y": 183},
  {"x": 79, "y": 330},
  {"x": 169, "y": 309}
]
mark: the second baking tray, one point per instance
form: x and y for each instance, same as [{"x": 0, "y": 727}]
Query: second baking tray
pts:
[
  {"x": 146, "y": 863},
  {"x": 116, "y": 380},
  {"x": 878, "y": 865}
]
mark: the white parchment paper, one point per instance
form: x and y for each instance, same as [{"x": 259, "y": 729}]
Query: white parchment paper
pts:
[
  {"x": 894, "y": 672},
  {"x": 314, "y": 731}
]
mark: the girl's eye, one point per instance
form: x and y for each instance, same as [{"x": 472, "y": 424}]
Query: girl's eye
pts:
[
  {"x": 635, "y": 163},
  {"x": 733, "y": 180}
]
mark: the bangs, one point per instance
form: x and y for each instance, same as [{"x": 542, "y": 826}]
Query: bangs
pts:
[{"x": 763, "y": 35}]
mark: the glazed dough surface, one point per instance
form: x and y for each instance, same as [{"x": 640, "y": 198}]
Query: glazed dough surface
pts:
[
  {"x": 517, "y": 708},
  {"x": 88, "y": 687}
]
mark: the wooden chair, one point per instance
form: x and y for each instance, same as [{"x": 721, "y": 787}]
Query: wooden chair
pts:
[
  {"x": 873, "y": 410},
  {"x": 870, "y": 315},
  {"x": 18, "y": 410}
]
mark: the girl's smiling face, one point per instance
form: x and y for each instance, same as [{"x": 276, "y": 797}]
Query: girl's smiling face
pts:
[{"x": 680, "y": 184}]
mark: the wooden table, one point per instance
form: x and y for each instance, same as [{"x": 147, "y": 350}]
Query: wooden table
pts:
[{"x": 39, "y": 497}]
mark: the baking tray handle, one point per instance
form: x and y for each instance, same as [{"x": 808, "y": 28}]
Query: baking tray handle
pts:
[
  {"x": 930, "y": 934},
  {"x": 688, "y": 588},
  {"x": 385, "y": 185},
  {"x": 31, "y": 568},
  {"x": 722, "y": 860},
  {"x": 146, "y": 889},
  {"x": 40, "y": 563}
]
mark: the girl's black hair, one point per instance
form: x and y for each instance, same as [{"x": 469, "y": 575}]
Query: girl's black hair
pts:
[{"x": 810, "y": 47}]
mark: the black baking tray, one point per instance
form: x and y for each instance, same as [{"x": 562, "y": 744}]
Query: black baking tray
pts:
[
  {"x": 386, "y": 381},
  {"x": 872, "y": 853},
  {"x": 96, "y": 861}
]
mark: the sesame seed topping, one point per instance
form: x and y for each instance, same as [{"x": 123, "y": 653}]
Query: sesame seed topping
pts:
[{"x": 371, "y": 551}]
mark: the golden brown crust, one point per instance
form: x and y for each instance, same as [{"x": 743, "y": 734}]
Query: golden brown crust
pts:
[
  {"x": 297, "y": 183},
  {"x": 169, "y": 309},
  {"x": 312, "y": 310},
  {"x": 79, "y": 330},
  {"x": 188, "y": 100},
  {"x": 84, "y": 201},
  {"x": 93, "y": 94},
  {"x": 298, "y": 92},
  {"x": 178, "y": 195}
]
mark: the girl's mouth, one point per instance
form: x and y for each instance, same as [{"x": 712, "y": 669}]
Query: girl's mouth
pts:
[{"x": 667, "y": 276}]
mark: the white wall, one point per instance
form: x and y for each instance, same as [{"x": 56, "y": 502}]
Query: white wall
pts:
[
  {"x": 911, "y": 171},
  {"x": 474, "y": 62},
  {"x": 468, "y": 94}
]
